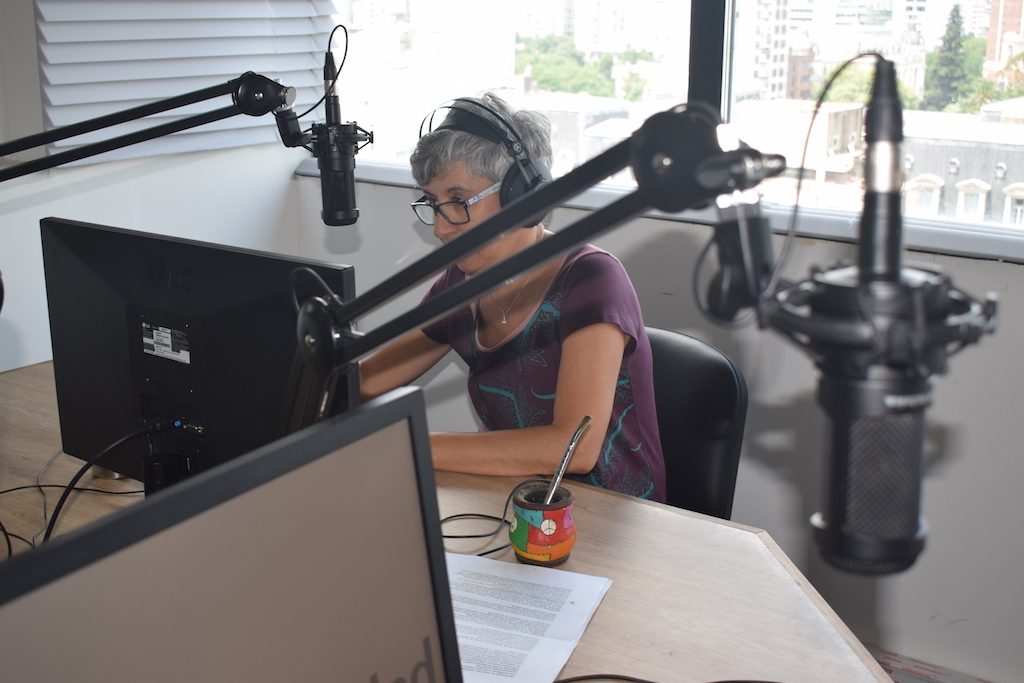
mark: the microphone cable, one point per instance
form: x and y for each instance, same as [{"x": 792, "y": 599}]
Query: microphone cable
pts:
[
  {"x": 293, "y": 278},
  {"x": 787, "y": 247},
  {"x": 344, "y": 56}
]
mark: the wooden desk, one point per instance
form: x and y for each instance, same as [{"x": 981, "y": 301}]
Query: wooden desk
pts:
[
  {"x": 29, "y": 438},
  {"x": 692, "y": 599}
]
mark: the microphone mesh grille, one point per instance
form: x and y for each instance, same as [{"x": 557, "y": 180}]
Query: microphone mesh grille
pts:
[
  {"x": 883, "y": 475},
  {"x": 875, "y": 481}
]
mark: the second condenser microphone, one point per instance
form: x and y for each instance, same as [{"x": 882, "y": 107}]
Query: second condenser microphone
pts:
[
  {"x": 877, "y": 332},
  {"x": 335, "y": 148},
  {"x": 875, "y": 396}
]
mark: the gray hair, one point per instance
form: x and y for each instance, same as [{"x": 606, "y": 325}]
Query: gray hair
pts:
[{"x": 438, "y": 149}]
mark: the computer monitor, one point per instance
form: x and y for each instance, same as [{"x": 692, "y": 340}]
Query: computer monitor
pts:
[
  {"x": 317, "y": 557},
  {"x": 146, "y": 327}
]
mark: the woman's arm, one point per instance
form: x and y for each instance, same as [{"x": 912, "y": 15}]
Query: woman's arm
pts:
[
  {"x": 398, "y": 363},
  {"x": 589, "y": 370}
]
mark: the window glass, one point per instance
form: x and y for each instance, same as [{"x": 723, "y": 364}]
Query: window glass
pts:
[
  {"x": 597, "y": 69},
  {"x": 961, "y": 70},
  {"x": 1016, "y": 211}
]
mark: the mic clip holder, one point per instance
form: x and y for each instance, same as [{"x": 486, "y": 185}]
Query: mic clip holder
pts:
[
  {"x": 331, "y": 136},
  {"x": 915, "y": 322},
  {"x": 322, "y": 136}
]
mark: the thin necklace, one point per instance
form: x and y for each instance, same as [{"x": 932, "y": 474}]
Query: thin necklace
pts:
[{"x": 505, "y": 311}]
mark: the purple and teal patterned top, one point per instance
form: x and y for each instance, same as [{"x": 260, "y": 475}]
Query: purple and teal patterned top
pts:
[{"x": 512, "y": 385}]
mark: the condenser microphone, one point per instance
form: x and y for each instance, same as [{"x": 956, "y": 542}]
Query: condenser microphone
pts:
[
  {"x": 335, "y": 152},
  {"x": 874, "y": 396},
  {"x": 877, "y": 332}
]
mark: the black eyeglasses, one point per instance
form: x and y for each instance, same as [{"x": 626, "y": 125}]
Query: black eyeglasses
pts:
[{"x": 456, "y": 212}]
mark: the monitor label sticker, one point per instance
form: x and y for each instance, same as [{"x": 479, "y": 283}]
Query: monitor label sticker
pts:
[{"x": 166, "y": 343}]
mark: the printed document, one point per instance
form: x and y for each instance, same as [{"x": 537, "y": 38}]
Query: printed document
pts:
[{"x": 517, "y": 622}]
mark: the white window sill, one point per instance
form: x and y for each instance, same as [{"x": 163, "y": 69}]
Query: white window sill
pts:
[{"x": 935, "y": 236}]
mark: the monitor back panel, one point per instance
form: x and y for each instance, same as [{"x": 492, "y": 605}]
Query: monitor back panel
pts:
[{"x": 148, "y": 327}]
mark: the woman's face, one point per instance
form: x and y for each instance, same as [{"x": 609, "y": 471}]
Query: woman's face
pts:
[{"x": 454, "y": 184}]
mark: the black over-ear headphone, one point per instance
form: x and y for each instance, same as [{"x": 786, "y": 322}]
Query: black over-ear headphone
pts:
[{"x": 523, "y": 176}]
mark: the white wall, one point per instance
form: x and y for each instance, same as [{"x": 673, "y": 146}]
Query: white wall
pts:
[{"x": 960, "y": 605}]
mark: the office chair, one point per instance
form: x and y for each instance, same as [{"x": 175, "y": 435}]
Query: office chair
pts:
[{"x": 701, "y": 402}]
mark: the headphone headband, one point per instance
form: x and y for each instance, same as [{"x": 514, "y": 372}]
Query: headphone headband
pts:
[
  {"x": 462, "y": 118},
  {"x": 525, "y": 174}
]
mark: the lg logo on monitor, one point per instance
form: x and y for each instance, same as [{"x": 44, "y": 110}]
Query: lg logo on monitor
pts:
[{"x": 173, "y": 277}]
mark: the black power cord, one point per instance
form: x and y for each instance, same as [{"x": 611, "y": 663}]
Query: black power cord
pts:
[
  {"x": 502, "y": 522},
  {"x": 603, "y": 677},
  {"x": 144, "y": 431},
  {"x": 86, "y": 489},
  {"x": 8, "y": 535},
  {"x": 7, "y": 539}
]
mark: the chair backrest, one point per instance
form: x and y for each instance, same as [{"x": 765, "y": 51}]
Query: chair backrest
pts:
[{"x": 701, "y": 401}]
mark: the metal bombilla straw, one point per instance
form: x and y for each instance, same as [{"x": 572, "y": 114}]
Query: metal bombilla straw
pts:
[{"x": 557, "y": 479}]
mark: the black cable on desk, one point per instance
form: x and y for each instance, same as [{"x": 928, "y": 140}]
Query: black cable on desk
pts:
[
  {"x": 39, "y": 482},
  {"x": 148, "y": 429},
  {"x": 7, "y": 539},
  {"x": 21, "y": 538},
  {"x": 33, "y": 487},
  {"x": 603, "y": 677},
  {"x": 85, "y": 489},
  {"x": 502, "y": 522}
]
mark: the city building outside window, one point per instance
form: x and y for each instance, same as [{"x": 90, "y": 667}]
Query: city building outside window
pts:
[
  {"x": 922, "y": 194},
  {"x": 1013, "y": 205},
  {"x": 600, "y": 69},
  {"x": 961, "y": 71},
  {"x": 970, "y": 201}
]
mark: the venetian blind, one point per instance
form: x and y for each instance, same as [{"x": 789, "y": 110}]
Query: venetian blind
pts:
[{"x": 97, "y": 58}]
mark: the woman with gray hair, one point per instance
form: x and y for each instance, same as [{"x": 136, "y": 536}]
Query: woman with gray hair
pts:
[{"x": 561, "y": 341}]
